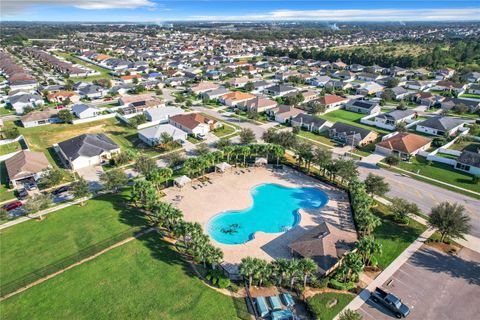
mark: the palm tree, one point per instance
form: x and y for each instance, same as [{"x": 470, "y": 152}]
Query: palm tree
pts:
[
  {"x": 279, "y": 267},
  {"x": 214, "y": 256},
  {"x": 450, "y": 220},
  {"x": 353, "y": 265},
  {"x": 322, "y": 158},
  {"x": 278, "y": 151},
  {"x": 159, "y": 176},
  {"x": 228, "y": 150},
  {"x": 262, "y": 270},
  {"x": 367, "y": 247},
  {"x": 307, "y": 267},
  {"x": 245, "y": 151},
  {"x": 350, "y": 315},
  {"x": 247, "y": 269},
  {"x": 292, "y": 271}
]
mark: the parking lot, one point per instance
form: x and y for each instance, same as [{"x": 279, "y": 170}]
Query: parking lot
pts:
[{"x": 434, "y": 286}]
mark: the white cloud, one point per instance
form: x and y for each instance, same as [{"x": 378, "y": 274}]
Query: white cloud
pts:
[
  {"x": 16, "y": 7},
  {"x": 357, "y": 15}
]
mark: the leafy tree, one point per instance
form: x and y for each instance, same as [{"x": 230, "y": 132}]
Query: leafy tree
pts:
[
  {"x": 322, "y": 158},
  {"x": 201, "y": 149},
  {"x": 50, "y": 178},
  {"x": 388, "y": 95},
  {"x": 307, "y": 267},
  {"x": 460, "y": 108},
  {"x": 347, "y": 170},
  {"x": 450, "y": 220},
  {"x": 314, "y": 107},
  {"x": 401, "y": 208},
  {"x": 114, "y": 179},
  {"x": 401, "y": 127},
  {"x": 145, "y": 164},
  {"x": 351, "y": 266},
  {"x": 350, "y": 315},
  {"x": 392, "y": 82},
  {"x": 38, "y": 202},
  {"x": 247, "y": 136},
  {"x": 247, "y": 269},
  {"x": 375, "y": 184},
  {"x": 167, "y": 215},
  {"x": 392, "y": 160},
  {"x": 249, "y": 86},
  {"x": 65, "y": 115},
  {"x": 222, "y": 143},
  {"x": 80, "y": 189},
  {"x": 159, "y": 176},
  {"x": 11, "y": 132},
  {"x": 143, "y": 194},
  {"x": 368, "y": 248}
]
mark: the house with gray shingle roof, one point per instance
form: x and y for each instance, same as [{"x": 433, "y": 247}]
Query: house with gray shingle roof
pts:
[
  {"x": 86, "y": 150},
  {"x": 390, "y": 120},
  {"x": 469, "y": 162},
  {"x": 438, "y": 126}
]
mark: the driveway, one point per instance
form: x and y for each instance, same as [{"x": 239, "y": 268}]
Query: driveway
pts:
[
  {"x": 92, "y": 175},
  {"x": 435, "y": 286},
  {"x": 372, "y": 159}
]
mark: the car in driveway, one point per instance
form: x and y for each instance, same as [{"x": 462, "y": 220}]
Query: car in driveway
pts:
[
  {"x": 60, "y": 190},
  {"x": 392, "y": 302},
  {"x": 12, "y": 205},
  {"x": 22, "y": 193},
  {"x": 30, "y": 186}
]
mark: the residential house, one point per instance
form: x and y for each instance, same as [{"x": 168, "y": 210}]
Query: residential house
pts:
[
  {"x": 152, "y": 136},
  {"x": 91, "y": 91},
  {"x": 284, "y": 113},
  {"x": 130, "y": 78},
  {"x": 427, "y": 98},
  {"x": 365, "y": 76},
  {"x": 356, "y": 67},
  {"x": 203, "y": 87},
  {"x": 404, "y": 145},
  {"x": 239, "y": 82},
  {"x": 368, "y": 88},
  {"x": 440, "y": 126},
  {"x": 61, "y": 96},
  {"x": 309, "y": 123},
  {"x": 418, "y": 85},
  {"x": 451, "y": 103},
  {"x": 126, "y": 100},
  {"x": 474, "y": 89},
  {"x": 261, "y": 85},
  {"x": 399, "y": 93},
  {"x": 140, "y": 106},
  {"x": 215, "y": 94},
  {"x": 258, "y": 104},
  {"x": 20, "y": 100},
  {"x": 320, "y": 81},
  {"x": 352, "y": 135},
  {"x": 280, "y": 90},
  {"x": 194, "y": 123},
  {"x": 473, "y": 77},
  {"x": 338, "y": 85},
  {"x": 443, "y": 74},
  {"x": 392, "y": 119},
  {"x": 87, "y": 150},
  {"x": 469, "y": 161},
  {"x": 26, "y": 166},
  {"x": 332, "y": 102},
  {"x": 161, "y": 115},
  {"x": 344, "y": 75},
  {"x": 39, "y": 118},
  {"x": 232, "y": 99},
  {"x": 83, "y": 111},
  {"x": 458, "y": 88},
  {"x": 363, "y": 106}
]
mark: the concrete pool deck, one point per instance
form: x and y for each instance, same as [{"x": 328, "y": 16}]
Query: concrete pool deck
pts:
[{"x": 231, "y": 191}]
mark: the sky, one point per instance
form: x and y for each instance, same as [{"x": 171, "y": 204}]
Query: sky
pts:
[{"x": 238, "y": 10}]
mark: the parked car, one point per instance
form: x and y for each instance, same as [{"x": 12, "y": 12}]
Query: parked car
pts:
[
  {"x": 22, "y": 193},
  {"x": 107, "y": 99},
  {"x": 59, "y": 107},
  {"x": 30, "y": 186},
  {"x": 12, "y": 205},
  {"x": 61, "y": 190},
  {"x": 391, "y": 302}
]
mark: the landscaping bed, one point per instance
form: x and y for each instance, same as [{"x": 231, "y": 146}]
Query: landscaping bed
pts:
[{"x": 327, "y": 305}]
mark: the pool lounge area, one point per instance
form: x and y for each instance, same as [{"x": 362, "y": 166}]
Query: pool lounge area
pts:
[{"x": 243, "y": 204}]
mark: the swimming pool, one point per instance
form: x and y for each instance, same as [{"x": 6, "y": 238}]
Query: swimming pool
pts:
[{"x": 274, "y": 209}]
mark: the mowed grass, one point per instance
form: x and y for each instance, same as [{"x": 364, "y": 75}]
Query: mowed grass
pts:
[
  {"x": 104, "y": 72},
  {"x": 34, "y": 244},
  {"x": 143, "y": 279},
  {"x": 351, "y": 118},
  {"x": 5, "y": 192},
  {"x": 10, "y": 147},
  {"x": 440, "y": 171},
  {"x": 319, "y": 304},
  {"x": 393, "y": 237},
  {"x": 321, "y": 137}
]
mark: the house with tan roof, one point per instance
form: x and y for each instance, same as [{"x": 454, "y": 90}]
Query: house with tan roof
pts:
[
  {"x": 232, "y": 99},
  {"x": 39, "y": 118},
  {"x": 61, "y": 96},
  {"x": 239, "y": 82},
  {"x": 258, "y": 104},
  {"x": 404, "y": 145},
  {"x": 284, "y": 113},
  {"x": 130, "y": 78},
  {"x": 203, "y": 87},
  {"x": 26, "y": 166},
  {"x": 194, "y": 123},
  {"x": 125, "y": 100}
]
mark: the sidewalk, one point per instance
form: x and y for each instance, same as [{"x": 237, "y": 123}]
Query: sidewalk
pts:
[{"x": 388, "y": 272}]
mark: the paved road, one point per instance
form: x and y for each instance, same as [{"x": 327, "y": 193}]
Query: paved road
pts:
[
  {"x": 435, "y": 286},
  {"x": 426, "y": 195}
]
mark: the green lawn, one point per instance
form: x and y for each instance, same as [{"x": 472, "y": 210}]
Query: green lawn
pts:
[
  {"x": 143, "y": 279},
  {"x": 319, "y": 304},
  {"x": 320, "y": 137},
  {"x": 394, "y": 238},
  {"x": 224, "y": 131},
  {"x": 31, "y": 245},
  {"x": 440, "y": 171},
  {"x": 5, "y": 193},
  {"x": 470, "y": 95},
  {"x": 10, "y": 147},
  {"x": 104, "y": 71},
  {"x": 4, "y": 111},
  {"x": 349, "y": 117}
]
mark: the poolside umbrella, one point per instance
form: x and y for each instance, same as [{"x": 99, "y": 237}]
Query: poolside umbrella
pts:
[
  {"x": 181, "y": 181},
  {"x": 222, "y": 167},
  {"x": 260, "y": 161}
]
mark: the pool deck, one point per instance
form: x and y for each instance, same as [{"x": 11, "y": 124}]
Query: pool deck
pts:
[{"x": 231, "y": 191}]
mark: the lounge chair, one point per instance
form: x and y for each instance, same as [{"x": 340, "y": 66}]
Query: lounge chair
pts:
[
  {"x": 275, "y": 302},
  {"x": 287, "y": 299},
  {"x": 261, "y": 305},
  {"x": 282, "y": 315}
]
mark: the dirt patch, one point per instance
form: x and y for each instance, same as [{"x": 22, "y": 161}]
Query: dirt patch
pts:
[{"x": 443, "y": 247}]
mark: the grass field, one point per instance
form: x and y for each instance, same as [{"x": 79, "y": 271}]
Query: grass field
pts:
[
  {"x": 319, "y": 304},
  {"x": 440, "y": 171},
  {"x": 394, "y": 238},
  {"x": 10, "y": 147},
  {"x": 34, "y": 244},
  {"x": 104, "y": 73},
  {"x": 5, "y": 193},
  {"x": 470, "y": 95},
  {"x": 224, "y": 131},
  {"x": 320, "y": 137},
  {"x": 349, "y": 117},
  {"x": 391, "y": 49},
  {"x": 143, "y": 279}
]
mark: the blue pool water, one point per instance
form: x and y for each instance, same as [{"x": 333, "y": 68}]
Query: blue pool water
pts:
[{"x": 274, "y": 209}]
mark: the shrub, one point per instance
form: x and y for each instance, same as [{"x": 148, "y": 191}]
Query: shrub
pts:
[
  {"x": 223, "y": 282},
  {"x": 335, "y": 284},
  {"x": 217, "y": 278},
  {"x": 319, "y": 283}
]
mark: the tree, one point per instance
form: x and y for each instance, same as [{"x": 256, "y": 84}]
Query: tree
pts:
[
  {"x": 145, "y": 164},
  {"x": 144, "y": 194},
  {"x": 307, "y": 267},
  {"x": 368, "y": 248},
  {"x": 392, "y": 160},
  {"x": 114, "y": 179},
  {"x": 292, "y": 271},
  {"x": 50, "y": 178},
  {"x": 401, "y": 208},
  {"x": 350, "y": 315},
  {"x": 247, "y": 269},
  {"x": 201, "y": 149},
  {"x": 388, "y": 95},
  {"x": 315, "y": 107},
  {"x": 351, "y": 266},
  {"x": 347, "y": 170},
  {"x": 167, "y": 215},
  {"x": 38, "y": 202},
  {"x": 222, "y": 143},
  {"x": 65, "y": 115},
  {"x": 460, "y": 108},
  {"x": 392, "y": 82},
  {"x": 249, "y": 86},
  {"x": 322, "y": 158},
  {"x": 376, "y": 185},
  {"x": 80, "y": 189},
  {"x": 450, "y": 220},
  {"x": 159, "y": 175},
  {"x": 174, "y": 159},
  {"x": 401, "y": 127},
  {"x": 247, "y": 136},
  {"x": 11, "y": 132}
]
